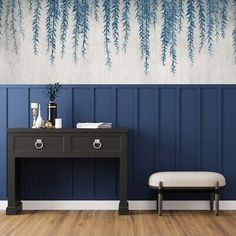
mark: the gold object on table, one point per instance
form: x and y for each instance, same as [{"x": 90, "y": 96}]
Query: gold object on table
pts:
[{"x": 48, "y": 124}]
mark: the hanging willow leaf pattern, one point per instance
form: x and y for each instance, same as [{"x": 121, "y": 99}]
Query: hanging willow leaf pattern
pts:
[
  {"x": 76, "y": 28},
  {"x": 106, "y": 30},
  {"x": 125, "y": 23},
  {"x": 115, "y": 23},
  {"x": 64, "y": 10},
  {"x": 84, "y": 25},
  {"x": 1, "y": 13},
  {"x": 165, "y": 32},
  {"x": 234, "y": 30},
  {"x": 7, "y": 21},
  {"x": 51, "y": 27},
  {"x": 95, "y": 9},
  {"x": 36, "y": 24},
  {"x": 173, "y": 37},
  {"x": 20, "y": 16},
  {"x": 180, "y": 15},
  {"x": 216, "y": 17},
  {"x": 13, "y": 24},
  {"x": 210, "y": 24},
  {"x": 154, "y": 9},
  {"x": 202, "y": 23},
  {"x": 209, "y": 18},
  {"x": 30, "y": 5},
  {"x": 191, "y": 27},
  {"x": 147, "y": 24},
  {"x": 139, "y": 14},
  {"x": 224, "y": 17}
]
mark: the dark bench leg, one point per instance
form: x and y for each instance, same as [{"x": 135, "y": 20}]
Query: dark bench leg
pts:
[
  {"x": 217, "y": 199},
  {"x": 212, "y": 198},
  {"x": 159, "y": 202}
]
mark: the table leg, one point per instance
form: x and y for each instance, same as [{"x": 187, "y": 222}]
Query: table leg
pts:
[
  {"x": 123, "y": 205},
  {"x": 14, "y": 204}
]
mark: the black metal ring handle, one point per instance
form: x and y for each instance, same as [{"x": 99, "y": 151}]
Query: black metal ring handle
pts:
[
  {"x": 97, "y": 144},
  {"x": 38, "y": 144}
]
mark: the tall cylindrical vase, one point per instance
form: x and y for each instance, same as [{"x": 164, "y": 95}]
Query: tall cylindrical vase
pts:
[{"x": 52, "y": 112}]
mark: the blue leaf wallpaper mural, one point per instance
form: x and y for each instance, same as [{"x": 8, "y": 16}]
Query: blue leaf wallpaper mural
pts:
[{"x": 65, "y": 27}]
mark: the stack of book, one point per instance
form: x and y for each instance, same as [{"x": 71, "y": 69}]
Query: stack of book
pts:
[{"x": 88, "y": 125}]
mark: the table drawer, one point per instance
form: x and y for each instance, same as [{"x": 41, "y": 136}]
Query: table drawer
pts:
[
  {"x": 96, "y": 143},
  {"x": 39, "y": 143}
]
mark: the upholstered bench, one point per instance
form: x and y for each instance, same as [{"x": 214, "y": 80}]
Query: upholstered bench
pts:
[{"x": 186, "y": 180}]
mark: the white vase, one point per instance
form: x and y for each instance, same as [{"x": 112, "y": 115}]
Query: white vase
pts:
[{"x": 39, "y": 120}]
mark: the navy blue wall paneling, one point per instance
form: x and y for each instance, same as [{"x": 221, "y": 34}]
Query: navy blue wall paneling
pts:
[
  {"x": 175, "y": 127},
  {"x": 3, "y": 141}
]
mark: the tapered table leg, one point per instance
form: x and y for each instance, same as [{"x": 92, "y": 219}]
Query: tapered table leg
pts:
[
  {"x": 123, "y": 205},
  {"x": 14, "y": 205}
]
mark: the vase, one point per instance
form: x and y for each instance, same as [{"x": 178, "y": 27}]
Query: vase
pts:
[
  {"x": 52, "y": 112},
  {"x": 39, "y": 121}
]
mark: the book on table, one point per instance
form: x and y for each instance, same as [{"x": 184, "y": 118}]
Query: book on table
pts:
[{"x": 90, "y": 125}]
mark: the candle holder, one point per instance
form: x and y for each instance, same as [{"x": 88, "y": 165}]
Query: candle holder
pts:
[{"x": 34, "y": 107}]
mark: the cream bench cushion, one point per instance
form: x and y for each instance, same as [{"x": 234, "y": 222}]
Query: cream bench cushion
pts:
[{"x": 186, "y": 179}]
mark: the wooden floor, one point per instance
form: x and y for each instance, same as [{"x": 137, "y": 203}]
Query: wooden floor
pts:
[{"x": 109, "y": 223}]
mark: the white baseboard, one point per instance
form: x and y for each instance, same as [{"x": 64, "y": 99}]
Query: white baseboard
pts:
[{"x": 113, "y": 205}]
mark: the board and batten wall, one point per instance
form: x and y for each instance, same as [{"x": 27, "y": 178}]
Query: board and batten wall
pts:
[{"x": 172, "y": 127}]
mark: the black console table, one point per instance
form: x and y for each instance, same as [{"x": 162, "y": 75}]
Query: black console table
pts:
[{"x": 65, "y": 143}]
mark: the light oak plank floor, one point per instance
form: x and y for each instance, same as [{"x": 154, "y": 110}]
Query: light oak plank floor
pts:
[{"x": 109, "y": 223}]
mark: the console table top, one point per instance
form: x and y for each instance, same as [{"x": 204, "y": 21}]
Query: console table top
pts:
[{"x": 68, "y": 130}]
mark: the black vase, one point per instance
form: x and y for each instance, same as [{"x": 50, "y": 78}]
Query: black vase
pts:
[{"x": 52, "y": 112}]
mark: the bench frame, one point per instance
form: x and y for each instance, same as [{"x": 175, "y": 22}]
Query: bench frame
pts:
[{"x": 214, "y": 195}]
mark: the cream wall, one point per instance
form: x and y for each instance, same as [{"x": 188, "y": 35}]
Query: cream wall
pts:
[{"x": 25, "y": 67}]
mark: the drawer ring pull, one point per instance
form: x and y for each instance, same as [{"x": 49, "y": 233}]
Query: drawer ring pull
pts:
[
  {"x": 38, "y": 144},
  {"x": 97, "y": 144}
]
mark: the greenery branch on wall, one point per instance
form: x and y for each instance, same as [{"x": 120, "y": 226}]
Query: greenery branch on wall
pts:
[{"x": 210, "y": 17}]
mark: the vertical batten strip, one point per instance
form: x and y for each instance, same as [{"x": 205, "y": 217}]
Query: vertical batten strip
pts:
[
  {"x": 220, "y": 128},
  {"x": 136, "y": 133},
  {"x": 3, "y": 149},
  {"x": 157, "y": 129},
  {"x": 114, "y": 124},
  {"x": 114, "y": 107},
  {"x": 25, "y": 166},
  {"x": 93, "y": 105},
  {"x": 178, "y": 128},
  {"x": 72, "y": 107},
  {"x": 72, "y": 125},
  {"x": 199, "y": 128}
]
